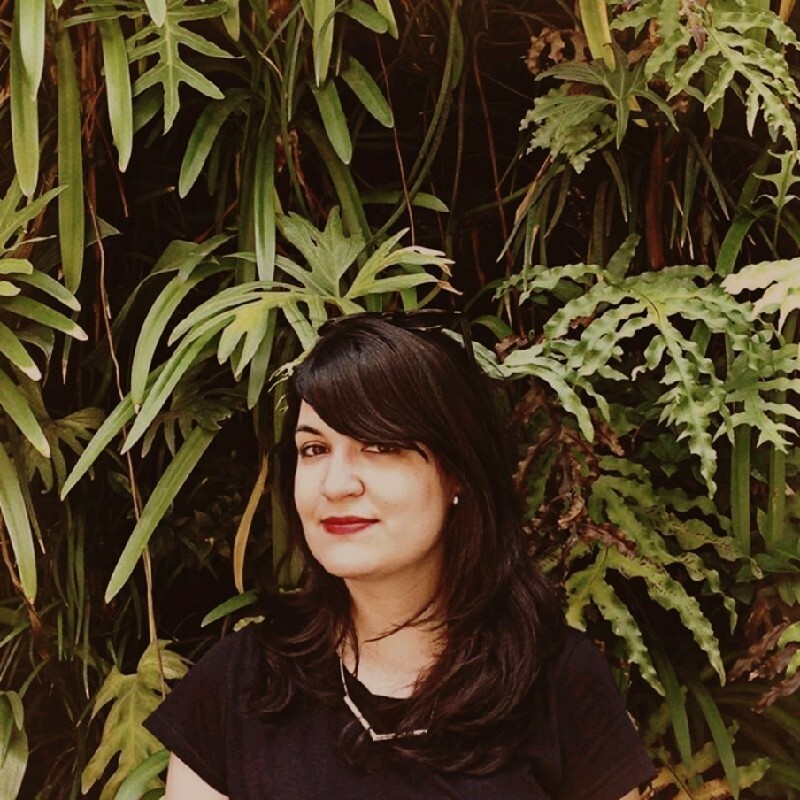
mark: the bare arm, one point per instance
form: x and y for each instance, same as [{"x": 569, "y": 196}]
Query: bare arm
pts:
[{"x": 183, "y": 783}]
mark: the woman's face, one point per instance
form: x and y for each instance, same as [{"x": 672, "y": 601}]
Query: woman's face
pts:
[{"x": 369, "y": 512}]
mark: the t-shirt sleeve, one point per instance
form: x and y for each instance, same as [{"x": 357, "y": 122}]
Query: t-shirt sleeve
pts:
[
  {"x": 603, "y": 757},
  {"x": 192, "y": 721}
]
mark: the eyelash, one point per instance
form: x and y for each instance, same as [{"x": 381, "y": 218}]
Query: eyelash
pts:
[{"x": 314, "y": 449}]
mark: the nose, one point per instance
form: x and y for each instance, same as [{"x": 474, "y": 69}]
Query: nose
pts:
[{"x": 342, "y": 478}]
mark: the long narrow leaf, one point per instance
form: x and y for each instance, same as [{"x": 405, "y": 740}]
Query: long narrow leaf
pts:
[
  {"x": 15, "y": 517},
  {"x": 368, "y": 92},
  {"x": 264, "y": 202},
  {"x": 50, "y": 286},
  {"x": 18, "y": 408},
  {"x": 334, "y": 120},
  {"x": 163, "y": 495},
  {"x": 384, "y": 8},
  {"x": 181, "y": 360},
  {"x": 156, "y": 322},
  {"x": 71, "y": 231},
  {"x": 33, "y": 309},
  {"x": 110, "y": 428},
  {"x": 135, "y": 785},
  {"x": 31, "y": 39},
  {"x": 12, "y": 349},
  {"x": 723, "y": 740},
  {"x": 203, "y": 137},
  {"x": 24, "y": 113},
  {"x": 118, "y": 88}
]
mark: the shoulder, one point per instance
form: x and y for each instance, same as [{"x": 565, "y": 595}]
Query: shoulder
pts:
[{"x": 231, "y": 659}]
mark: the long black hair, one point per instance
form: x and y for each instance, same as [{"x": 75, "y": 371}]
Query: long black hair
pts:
[{"x": 380, "y": 382}]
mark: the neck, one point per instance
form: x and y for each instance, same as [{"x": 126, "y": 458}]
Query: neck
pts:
[{"x": 391, "y": 658}]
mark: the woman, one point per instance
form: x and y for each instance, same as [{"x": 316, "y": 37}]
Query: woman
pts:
[{"x": 424, "y": 656}]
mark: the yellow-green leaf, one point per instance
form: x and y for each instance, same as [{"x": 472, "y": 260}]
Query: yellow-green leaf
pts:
[
  {"x": 24, "y": 113},
  {"x": 118, "y": 88},
  {"x": 133, "y": 698}
]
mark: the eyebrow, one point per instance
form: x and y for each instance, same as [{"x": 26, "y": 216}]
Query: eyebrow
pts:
[{"x": 307, "y": 429}]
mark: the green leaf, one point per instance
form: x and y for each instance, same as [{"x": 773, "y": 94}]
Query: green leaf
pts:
[
  {"x": 31, "y": 22},
  {"x": 723, "y": 740},
  {"x": 155, "y": 323},
  {"x": 14, "y": 747},
  {"x": 24, "y": 111},
  {"x": 368, "y": 92},
  {"x": 33, "y": 309},
  {"x": 12, "y": 349},
  {"x": 367, "y": 16},
  {"x": 320, "y": 15},
  {"x": 334, "y": 120},
  {"x": 138, "y": 781},
  {"x": 264, "y": 202},
  {"x": 110, "y": 428},
  {"x": 15, "y": 517},
  {"x": 228, "y": 607},
  {"x": 118, "y": 88},
  {"x": 16, "y": 406},
  {"x": 70, "y": 164},
  {"x": 394, "y": 196},
  {"x": 50, "y": 286},
  {"x": 163, "y": 41},
  {"x": 157, "y": 505},
  {"x": 384, "y": 8},
  {"x": 204, "y": 134},
  {"x": 133, "y": 698},
  {"x": 157, "y": 10}
]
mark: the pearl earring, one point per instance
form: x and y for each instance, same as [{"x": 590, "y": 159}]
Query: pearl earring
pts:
[{"x": 455, "y": 500}]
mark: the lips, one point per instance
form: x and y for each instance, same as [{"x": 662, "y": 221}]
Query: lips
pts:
[{"x": 342, "y": 526}]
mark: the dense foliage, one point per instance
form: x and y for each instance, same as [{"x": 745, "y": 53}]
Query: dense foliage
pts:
[{"x": 606, "y": 189}]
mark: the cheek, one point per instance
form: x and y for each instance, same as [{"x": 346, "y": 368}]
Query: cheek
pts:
[{"x": 304, "y": 493}]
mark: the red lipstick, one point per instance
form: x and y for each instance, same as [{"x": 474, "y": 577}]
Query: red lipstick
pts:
[{"x": 341, "y": 526}]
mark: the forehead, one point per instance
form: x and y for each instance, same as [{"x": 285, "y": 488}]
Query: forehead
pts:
[{"x": 308, "y": 418}]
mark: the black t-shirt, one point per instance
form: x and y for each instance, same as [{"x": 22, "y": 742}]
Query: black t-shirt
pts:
[{"x": 584, "y": 748}]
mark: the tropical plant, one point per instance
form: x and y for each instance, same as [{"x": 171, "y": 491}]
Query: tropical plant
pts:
[{"x": 190, "y": 188}]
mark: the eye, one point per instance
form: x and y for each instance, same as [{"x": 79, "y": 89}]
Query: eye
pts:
[
  {"x": 382, "y": 447},
  {"x": 310, "y": 449}
]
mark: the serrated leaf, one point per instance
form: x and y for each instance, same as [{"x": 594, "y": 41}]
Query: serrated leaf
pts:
[{"x": 133, "y": 698}]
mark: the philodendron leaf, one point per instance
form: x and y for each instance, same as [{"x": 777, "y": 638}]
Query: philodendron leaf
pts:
[{"x": 133, "y": 698}]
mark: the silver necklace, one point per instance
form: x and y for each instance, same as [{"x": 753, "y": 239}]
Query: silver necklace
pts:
[{"x": 376, "y": 737}]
